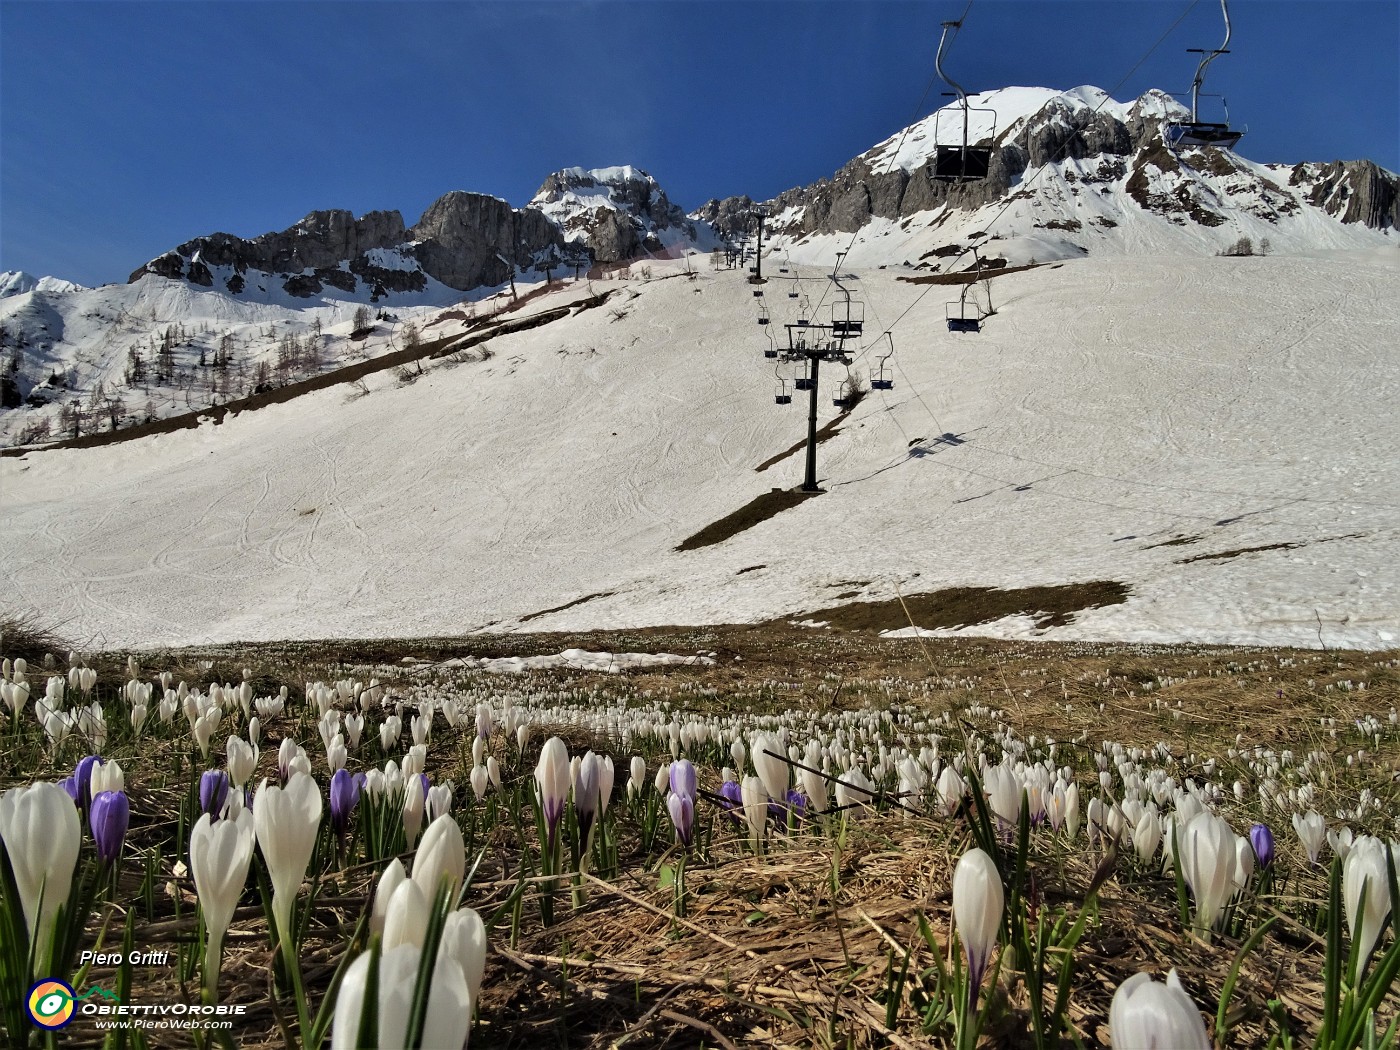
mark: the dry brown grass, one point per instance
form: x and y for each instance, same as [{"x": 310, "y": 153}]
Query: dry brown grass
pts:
[{"x": 777, "y": 952}]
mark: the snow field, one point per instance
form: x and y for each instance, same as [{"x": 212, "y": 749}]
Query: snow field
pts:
[{"x": 1112, "y": 405}]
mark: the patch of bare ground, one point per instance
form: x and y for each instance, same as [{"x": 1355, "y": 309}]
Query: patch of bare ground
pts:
[
  {"x": 1051, "y": 606},
  {"x": 567, "y": 605},
  {"x": 1220, "y": 555},
  {"x": 824, "y": 433},
  {"x": 968, "y": 276},
  {"x": 757, "y": 510},
  {"x": 1175, "y": 541}
]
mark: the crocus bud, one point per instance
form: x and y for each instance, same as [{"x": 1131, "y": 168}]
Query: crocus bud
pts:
[
  {"x": 446, "y": 1023},
  {"x": 345, "y": 795},
  {"x": 1206, "y": 853},
  {"x": 755, "y": 798},
  {"x": 415, "y": 799},
  {"x": 336, "y": 754},
  {"x": 1365, "y": 871},
  {"x": 637, "y": 776},
  {"x": 42, "y": 836},
  {"x": 111, "y": 814},
  {"x": 681, "y": 809},
  {"x": 493, "y": 772},
  {"x": 1147, "y": 835},
  {"x": 682, "y": 778},
  {"x": 240, "y": 758},
  {"x": 441, "y": 858},
  {"x": 82, "y": 777},
  {"x": 389, "y": 880},
  {"x": 107, "y": 776},
  {"x": 1312, "y": 832},
  {"x": 949, "y": 789},
  {"x": 769, "y": 764},
  {"x": 213, "y": 790},
  {"x": 1145, "y": 1015},
  {"x": 219, "y": 858},
  {"x": 552, "y": 781},
  {"x": 1244, "y": 863},
  {"x": 1072, "y": 811},
  {"x": 286, "y": 821},
  {"x": 586, "y": 795},
  {"x": 1261, "y": 839},
  {"x": 464, "y": 939},
  {"x": 406, "y": 918},
  {"x": 1340, "y": 840},
  {"x": 978, "y": 899}
]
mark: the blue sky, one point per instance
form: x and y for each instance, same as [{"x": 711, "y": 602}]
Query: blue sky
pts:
[{"x": 129, "y": 127}]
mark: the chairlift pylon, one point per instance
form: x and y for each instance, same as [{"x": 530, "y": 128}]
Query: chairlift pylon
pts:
[
  {"x": 1197, "y": 132},
  {"x": 966, "y": 162}
]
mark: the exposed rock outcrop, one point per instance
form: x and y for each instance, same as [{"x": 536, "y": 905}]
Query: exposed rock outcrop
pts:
[
  {"x": 1352, "y": 191},
  {"x": 466, "y": 240}
]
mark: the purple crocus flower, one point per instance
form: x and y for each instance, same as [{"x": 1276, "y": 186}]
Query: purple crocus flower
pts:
[
  {"x": 345, "y": 795},
  {"x": 213, "y": 792},
  {"x": 1262, "y": 839},
  {"x": 70, "y": 785},
  {"x": 682, "y": 811},
  {"x": 794, "y": 802},
  {"x": 110, "y": 817},
  {"x": 731, "y": 795},
  {"x": 83, "y": 776},
  {"x": 683, "y": 778}
]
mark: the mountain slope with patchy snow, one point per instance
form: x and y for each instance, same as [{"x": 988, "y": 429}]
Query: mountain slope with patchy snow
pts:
[
  {"x": 1071, "y": 173},
  {"x": 1214, "y": 434}
]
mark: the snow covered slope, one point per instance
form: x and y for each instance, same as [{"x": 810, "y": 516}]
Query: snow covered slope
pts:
[
  {"x": 1217, "y": 434},
  {"x": 17, "y": 282},
  {"x": 158, "y": 347}
]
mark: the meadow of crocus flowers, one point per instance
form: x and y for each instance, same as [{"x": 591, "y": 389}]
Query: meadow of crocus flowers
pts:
[{"x": 778, "y": 836}]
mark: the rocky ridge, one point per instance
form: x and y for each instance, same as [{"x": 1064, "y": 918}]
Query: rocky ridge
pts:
[
  {"x": 462, "y": 241},
  {"x": 1083, "y": 139}
]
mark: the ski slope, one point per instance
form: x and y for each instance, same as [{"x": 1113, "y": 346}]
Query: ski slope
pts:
[{"x": 1111, "y": 406}]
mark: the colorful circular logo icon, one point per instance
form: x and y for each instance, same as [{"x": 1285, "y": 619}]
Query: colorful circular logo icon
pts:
[{"x": 51, "y": 1004}]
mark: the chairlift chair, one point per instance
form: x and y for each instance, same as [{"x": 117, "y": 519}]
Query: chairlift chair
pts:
[
  {"x": 961, "y": 316},
  {"x": 804, "y": 381},
  {"x": 883, "y": 379},
  {"x": 844, "y": 397},
  {"x": 782, "y": 397},
  {"x": 1197, "y": 132},
  {"x": 847, "y": 319},
  {"x": 964, "y": 162}
]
